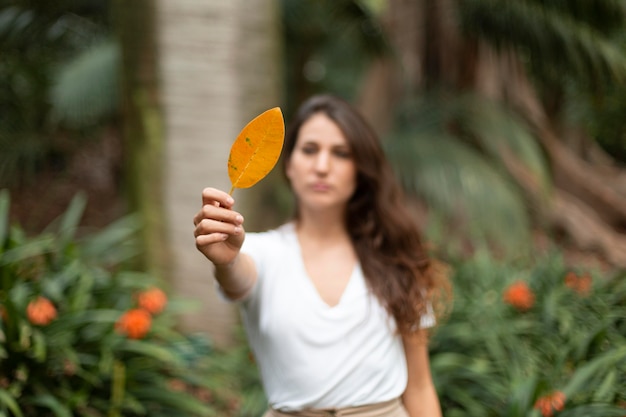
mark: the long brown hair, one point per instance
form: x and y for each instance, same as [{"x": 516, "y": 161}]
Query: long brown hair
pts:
[{"x": 386, "y": 238}]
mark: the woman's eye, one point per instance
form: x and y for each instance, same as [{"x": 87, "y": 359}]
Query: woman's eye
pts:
[
  {"x": 308, "y": 150},
  {"x": 343, "y": 153}
]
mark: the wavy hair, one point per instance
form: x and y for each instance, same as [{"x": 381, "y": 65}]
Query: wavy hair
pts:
[{"x": 385, "y": 236}]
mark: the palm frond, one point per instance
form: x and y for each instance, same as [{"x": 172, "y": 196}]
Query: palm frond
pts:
[
  {"x": 606, "y": 16},
  {"x": 86, "y": 90},
  {"x": 498, "y": 132},
  {"x": 462, "y": 186},
  {"x": 555, "y": 41}
]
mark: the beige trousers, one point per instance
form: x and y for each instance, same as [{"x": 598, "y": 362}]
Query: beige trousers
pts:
[{"x": 393, "y": 408}]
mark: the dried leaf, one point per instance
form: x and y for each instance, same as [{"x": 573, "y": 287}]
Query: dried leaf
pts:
[{"x": 256, "y": 149}]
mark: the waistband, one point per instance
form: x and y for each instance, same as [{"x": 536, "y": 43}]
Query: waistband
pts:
[{"x": 383, "y": 409}]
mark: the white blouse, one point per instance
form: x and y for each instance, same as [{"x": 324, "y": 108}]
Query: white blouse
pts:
[{"x": 312, "y": 355}]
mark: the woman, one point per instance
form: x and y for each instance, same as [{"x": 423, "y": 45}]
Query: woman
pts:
[{"x": 336, "y": 303}]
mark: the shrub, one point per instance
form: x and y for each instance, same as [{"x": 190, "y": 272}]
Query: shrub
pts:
[
  {"x": 532, "y": 339},
  {"x": 81, "y": 334}
]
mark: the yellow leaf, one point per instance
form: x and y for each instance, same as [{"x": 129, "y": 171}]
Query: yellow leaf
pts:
[{"x": 257, "y": 149}]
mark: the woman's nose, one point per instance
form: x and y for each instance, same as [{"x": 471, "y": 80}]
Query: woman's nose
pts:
[{"x": 322, "y": 162}]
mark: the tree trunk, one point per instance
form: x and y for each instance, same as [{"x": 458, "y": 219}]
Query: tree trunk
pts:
[
  {"x": 142, "y": 125},
  {"x": 220, "y": 65}
]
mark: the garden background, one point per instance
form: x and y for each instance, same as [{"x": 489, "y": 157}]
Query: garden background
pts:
[{"x": 505, "y": 123}]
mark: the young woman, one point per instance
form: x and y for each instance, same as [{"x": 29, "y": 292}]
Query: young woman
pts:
[{"x": 336, "y": 303}]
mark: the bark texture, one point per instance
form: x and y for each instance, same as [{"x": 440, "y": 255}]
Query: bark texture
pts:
[
  {"x": 219, "y": 65},
  {"x": 142, "y": 124}
]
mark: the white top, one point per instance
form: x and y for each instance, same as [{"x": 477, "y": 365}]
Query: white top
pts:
[{"x": 312, "y": 355}]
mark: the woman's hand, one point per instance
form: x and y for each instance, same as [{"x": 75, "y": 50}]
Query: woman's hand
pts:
[{"x": 219, "y": 230}]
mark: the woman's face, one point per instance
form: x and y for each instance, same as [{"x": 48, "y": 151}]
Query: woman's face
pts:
[{"x": 321, "y": 168}]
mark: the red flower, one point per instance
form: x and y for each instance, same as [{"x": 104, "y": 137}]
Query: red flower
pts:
[
  {"x": 580, "y": 284},
  {"x": 550, "y": 403},
  {"x": 519, "y": 296},
  {"x": 41, "y": 311},
  {"x": 134, "y": 323},
  {"x": 152, "y": 300}
]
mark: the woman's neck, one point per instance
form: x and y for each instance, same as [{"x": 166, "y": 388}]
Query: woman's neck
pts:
[{"x": 322, "y": 226}]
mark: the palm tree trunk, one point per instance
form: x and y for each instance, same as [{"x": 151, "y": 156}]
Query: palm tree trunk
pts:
[{"x": 220, "y": 65}]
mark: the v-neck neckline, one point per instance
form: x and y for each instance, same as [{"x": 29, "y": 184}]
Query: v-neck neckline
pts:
[{"x": 308, "y": 282}]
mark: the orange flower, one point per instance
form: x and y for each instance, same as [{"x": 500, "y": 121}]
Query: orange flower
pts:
[
  {"x": 135, "y": 323},
  {"x": 580, "y": 284},
  {"x": 550, "y": 403},
  {"x": 570, "y": 279},
  {"x": 152, "y": 300},
  {"x": 41, "y": 311},
  {"x": 177, "y": 385},
  {"x": 519, "y": 296}
]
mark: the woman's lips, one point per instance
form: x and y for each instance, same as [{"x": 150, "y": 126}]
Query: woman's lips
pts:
[{"x": 320, "y": 186}]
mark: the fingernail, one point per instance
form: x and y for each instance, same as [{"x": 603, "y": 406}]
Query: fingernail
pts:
[
  {"x": 230, "y": 200},
  {"x": 237, "y": 230},
  {"x": 239, "y": 219}
]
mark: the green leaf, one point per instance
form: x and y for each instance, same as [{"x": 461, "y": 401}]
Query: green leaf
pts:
[
  {"x": 86, "y": 90},
  {"x": 70, "y": 321},
  {"x": 607, "y": 389},
  {"x": 71, "y": 218},
  {"x": 7, "y": 400},
  {"x": 38, "y": 351},
  {"x": 521, "y": 398},
  {"x": 53, "y": 404},
  {"x": 39, "y": 246},
  {"x": 178, "y": 400},
  {"x": 160, "y": 353},
  {"x": 601, "y": 364},
  {"x": 115, "y": 243},
  {"x": 593, "y": 410}
]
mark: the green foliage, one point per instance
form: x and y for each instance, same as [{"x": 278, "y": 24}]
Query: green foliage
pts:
[
  {"x": 85, "y": 89},
  {"x": 567, "y": 335},
  {"x": 328, "y": 46},
  {"x": 560, "y": 40},
  {"x": 76, "y": 358},
  {"x": 451, "y": 154},
  {"x": 51, "y": 75}
]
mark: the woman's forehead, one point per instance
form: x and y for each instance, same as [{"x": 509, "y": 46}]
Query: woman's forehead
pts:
[{"x": 321, "y": 128}]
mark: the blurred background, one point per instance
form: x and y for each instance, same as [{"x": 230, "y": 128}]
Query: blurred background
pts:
[{"x": 503, "y": 119}]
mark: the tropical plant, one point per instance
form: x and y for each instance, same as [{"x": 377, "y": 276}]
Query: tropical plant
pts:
[
  {"x": 533, "y": 338},
  {"x": 328, "y": 47},
  {"x": 81, "y": 334},
  {"x": 537, "y": 61},
  {"x": 450, "y": 152},
  {"x": 57, "y": 72}
]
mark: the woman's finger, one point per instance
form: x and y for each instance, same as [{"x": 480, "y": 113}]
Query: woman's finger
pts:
[
  {"x": 215, "y": 197},
  {"x": 205, "y": 240},
  {"x": 208, "y": 227},
  {"x": 212, "y": 212}
]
